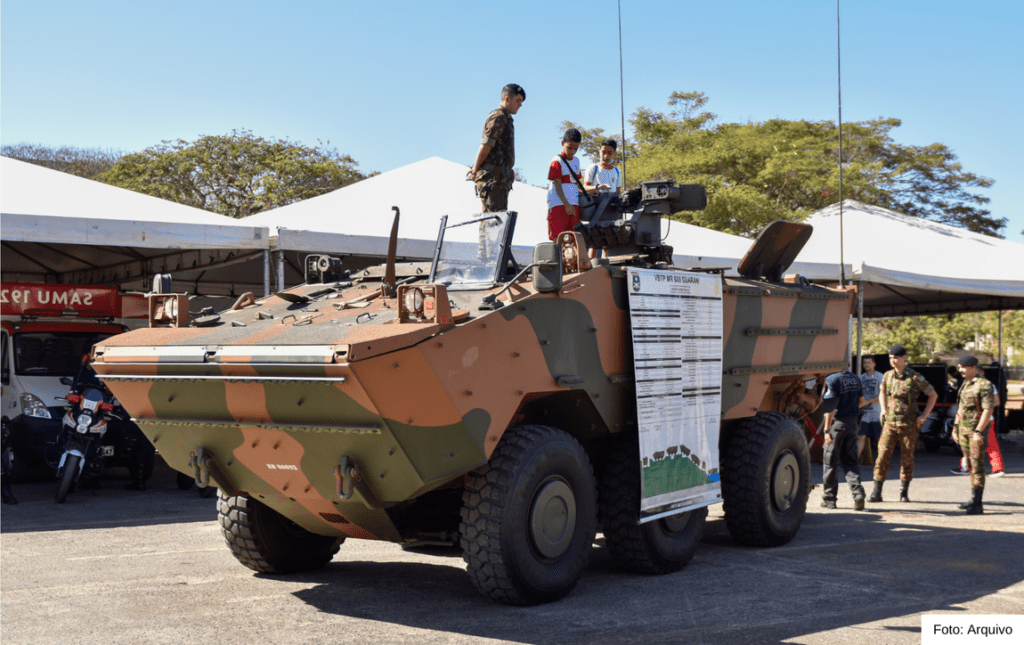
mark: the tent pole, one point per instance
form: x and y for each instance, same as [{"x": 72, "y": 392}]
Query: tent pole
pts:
[
  {"x": 860, "y": 321},
  {"x": 280, "y": 270},
  {"x": 266, "y": 273},
  {"x": 1001, "y": 363}
]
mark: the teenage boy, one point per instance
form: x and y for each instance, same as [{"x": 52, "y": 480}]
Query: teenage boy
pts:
[
  {"x": 563, "y": 196},
  {"x": 870, "y": 410},
  {"x": 604, "y": 175}
]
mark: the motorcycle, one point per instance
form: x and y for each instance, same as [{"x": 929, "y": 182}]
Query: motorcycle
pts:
[{"x": 80, "y": 440}]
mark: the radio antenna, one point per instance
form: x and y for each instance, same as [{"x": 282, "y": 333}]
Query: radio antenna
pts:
[
  {"x": 839, "y": 76},
  {"x": 622, "y": 99}
]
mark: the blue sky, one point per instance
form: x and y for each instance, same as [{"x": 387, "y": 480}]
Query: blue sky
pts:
[{"x": 393, "y": 83}]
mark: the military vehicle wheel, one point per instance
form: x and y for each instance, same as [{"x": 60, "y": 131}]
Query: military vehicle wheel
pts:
[
  {"x": 529, "y": 517},
  {"x": 265, "y": 541},
  {"x": 766, "y": 473},
  {"x": 657, "y": 547}
]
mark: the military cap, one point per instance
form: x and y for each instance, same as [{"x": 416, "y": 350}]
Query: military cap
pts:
[
  {"x": 968, "y": 361},
  {"x": 897, "y": 350}
]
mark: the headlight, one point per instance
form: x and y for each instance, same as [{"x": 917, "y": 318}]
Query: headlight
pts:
[
  {"x": 414, "y": 302},
  {"x": 31, "y": 406},
  {"x": 84, "y": 419}
]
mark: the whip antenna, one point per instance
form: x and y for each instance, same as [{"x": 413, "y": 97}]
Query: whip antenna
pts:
[
  {"x": 622, "y": 100},
  {"x": 839, "y": 75}
]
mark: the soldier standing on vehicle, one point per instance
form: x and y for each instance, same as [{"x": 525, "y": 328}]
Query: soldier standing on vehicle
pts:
[
  {"x": 901, "y": 387},
  {"x": 842, "y": 402},
  {"x": 492, "y": 169},
  {"x": 975, "y": 404}
]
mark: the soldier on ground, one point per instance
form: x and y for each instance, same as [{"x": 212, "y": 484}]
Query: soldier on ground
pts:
[
  {"x": 901, "y": 423},
  {"x": 842, "y": 402},
  {"x": 975, "y": 403}
]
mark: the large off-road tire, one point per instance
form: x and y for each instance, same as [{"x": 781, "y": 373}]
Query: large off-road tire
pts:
[
  {"x": 67, "y": 478},
  {"x": 766, "y": 477},
  {"x": 266, "y": 541},
  {"x": 657, "y": 547},
  {"x": 529, "y": 517}
]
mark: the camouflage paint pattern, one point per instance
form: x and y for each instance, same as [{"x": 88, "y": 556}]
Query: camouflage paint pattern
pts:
[
  {"x": 906, "y": 437},
  {"x": 975, "y": 397},
  {"x": 277, "y": 392}
]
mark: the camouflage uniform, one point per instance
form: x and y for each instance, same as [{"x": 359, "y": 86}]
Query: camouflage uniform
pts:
[
  {"x": 975, "y": 397},
  {"x": 901, "y": 394},
  {"x": 496, "y": 176}
]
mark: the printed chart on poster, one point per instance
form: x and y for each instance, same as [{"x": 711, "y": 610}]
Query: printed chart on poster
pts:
[{"x": 676, "y": 319}]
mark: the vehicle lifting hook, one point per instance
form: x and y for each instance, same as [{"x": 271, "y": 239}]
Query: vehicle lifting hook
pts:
[
  {"x": 201, "y": 463},
  {"x": 345, "y": 474}
]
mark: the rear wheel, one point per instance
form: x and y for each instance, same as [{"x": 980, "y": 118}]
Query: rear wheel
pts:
[
  {"x": 659, "y": 546},
  {"x": 529, "y": 517},
  {"x": 766, "y": 474},
  {"x": 67, "y": 478},
  {"x": 268, "y": 542}
]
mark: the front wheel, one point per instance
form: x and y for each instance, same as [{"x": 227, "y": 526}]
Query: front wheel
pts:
[
  {"x": 529, "y": 517},
  {"x": 657, "y": 547},
  {"x": 67, "y": 478},
  {"x": 267, "y": 542},
  {"x": 766, "y": 476}
]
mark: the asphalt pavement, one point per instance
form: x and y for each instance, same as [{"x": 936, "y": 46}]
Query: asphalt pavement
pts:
[{"x": 114, "y": 566}]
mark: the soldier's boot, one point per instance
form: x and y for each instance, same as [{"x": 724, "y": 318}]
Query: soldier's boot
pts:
[
  {"x": 5, "y": 486},
  {"x": 876, "y": 495},
  {"x": 858, "y": 504},
  {"x": 966, "y": 504},
  {"x": 976, "y": 508},
  {"x": 904, "y": 487}
]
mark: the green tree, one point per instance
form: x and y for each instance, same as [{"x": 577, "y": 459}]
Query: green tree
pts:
[
  {"x": 83, "y": 162},
  {"x": 761, "y": 171},
  {"x": 936, "y": 338},
  {"x": 237, "y": 174}
]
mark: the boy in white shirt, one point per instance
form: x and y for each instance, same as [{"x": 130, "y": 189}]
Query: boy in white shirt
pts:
[{"x": 604, "y": 175}]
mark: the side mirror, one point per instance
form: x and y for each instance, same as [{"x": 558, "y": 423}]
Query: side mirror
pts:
[
  {"x": 548, "y": 276},
  {"x": 67, "y": 380}
]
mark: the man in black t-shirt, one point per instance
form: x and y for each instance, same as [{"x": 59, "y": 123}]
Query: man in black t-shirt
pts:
[{"x": 841, "y": 404}]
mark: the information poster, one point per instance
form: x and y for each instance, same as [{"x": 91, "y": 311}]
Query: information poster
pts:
[{"x": 676, "y": 319}]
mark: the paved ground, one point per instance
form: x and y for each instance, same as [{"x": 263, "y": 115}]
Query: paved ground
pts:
[{"x": 127, "y": 567}]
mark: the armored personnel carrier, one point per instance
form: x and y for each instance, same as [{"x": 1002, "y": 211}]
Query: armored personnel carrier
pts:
[{"x": 512, "y": 407}]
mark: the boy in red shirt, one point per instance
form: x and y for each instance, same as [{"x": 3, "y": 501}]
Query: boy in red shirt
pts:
[{"x": 563, "y": 195}]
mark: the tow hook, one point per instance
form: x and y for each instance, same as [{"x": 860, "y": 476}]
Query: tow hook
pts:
[
  {"x": 201, "y": 464},
  {"x": 345, "y": 474}
]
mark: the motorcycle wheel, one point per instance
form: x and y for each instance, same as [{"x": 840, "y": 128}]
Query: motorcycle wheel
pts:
[{"x": 67, "y": 478}]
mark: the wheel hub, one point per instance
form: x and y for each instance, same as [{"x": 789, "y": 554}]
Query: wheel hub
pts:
[
  {"x": 553, "y": 519},
  {"x": 785, "y": 480},
  {"x": 675, "y": 524}
]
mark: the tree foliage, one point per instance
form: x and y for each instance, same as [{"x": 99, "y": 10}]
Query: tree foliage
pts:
[
  {"x": 237, "y": 174},
  {"x": 761, "y": 171},
  {"x": 937, "y": 338},
  {"x": 83, "y": 162}
]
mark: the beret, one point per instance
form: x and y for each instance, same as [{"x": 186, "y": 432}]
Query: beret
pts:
[
  {"x": 968, "y": 361},
  {"x": 897, "y": 350}
]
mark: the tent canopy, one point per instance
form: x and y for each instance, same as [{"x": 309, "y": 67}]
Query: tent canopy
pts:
[
  {"x": 910, "y": 265},
  {"x": 58, "y": 227}
]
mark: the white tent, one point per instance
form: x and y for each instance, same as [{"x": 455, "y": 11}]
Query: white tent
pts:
[
  {"x": 357, "y": 219},
  {"x": 909, "y": 265},
  {"x": 694, "y": 246},
  {"x": 59, "y": 227}
]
